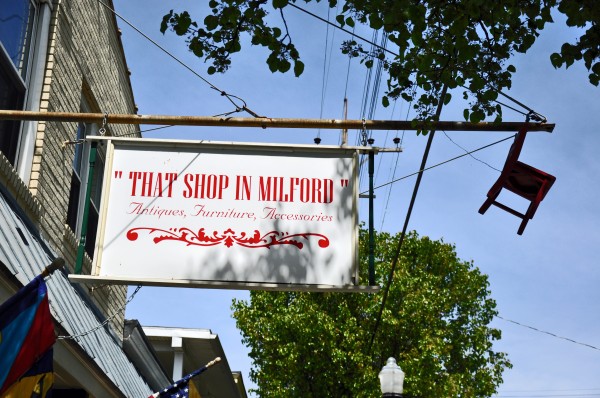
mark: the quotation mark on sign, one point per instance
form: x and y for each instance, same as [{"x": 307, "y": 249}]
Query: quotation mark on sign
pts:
[
  {"x": 118, "y": 174},
  {"x": 344, "y": 183}
]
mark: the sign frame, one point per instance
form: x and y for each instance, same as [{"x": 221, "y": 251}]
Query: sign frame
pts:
[{"x": 114, "y": 143}]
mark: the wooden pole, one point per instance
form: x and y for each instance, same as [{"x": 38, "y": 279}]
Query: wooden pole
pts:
[{"x": 264, "y": 123}]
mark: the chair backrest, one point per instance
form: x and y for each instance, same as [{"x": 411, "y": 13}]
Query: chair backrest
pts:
[{"x": 515, "y": 148}]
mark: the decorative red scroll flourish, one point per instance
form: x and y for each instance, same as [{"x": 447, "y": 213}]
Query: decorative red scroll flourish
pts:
[{"x": 229, "y": 237}]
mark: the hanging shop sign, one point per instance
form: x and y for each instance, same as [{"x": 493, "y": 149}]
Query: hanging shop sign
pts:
[{"x": 234, "y": 215}]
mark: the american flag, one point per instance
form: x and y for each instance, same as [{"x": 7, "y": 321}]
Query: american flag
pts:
[{"x": 180, "y": 389}]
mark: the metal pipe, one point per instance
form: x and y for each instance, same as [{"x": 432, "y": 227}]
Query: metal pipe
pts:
[
  {"x": 266, "y": 122},
  {"x": 371, "y": 220}
]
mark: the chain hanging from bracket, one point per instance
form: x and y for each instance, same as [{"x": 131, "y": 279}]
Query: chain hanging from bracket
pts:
[
  {"x": 102, "y": 130},
  {"x": 364, "y": 132}
]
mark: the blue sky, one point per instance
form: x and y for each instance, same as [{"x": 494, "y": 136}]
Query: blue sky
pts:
[{"x": 548, "y": 278}]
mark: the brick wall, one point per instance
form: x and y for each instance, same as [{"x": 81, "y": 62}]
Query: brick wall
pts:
[{"x": 85, "y": 57}]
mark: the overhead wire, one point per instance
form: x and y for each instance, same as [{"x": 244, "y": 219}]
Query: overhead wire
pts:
[
  {"x": 469, "y": 153},
  {"x": 243, "y": 107},
  {"x": 362, "y": 163},
  {"x": 441, "y": 163},
  {"x": 548, "y": 333},
  {"x": 326, "y": 71},
  {"x": 345, "y": 106},
  {"x": 549, "y": 396},
  {"x": 387, "y": 133},
  {"x": 572, "y": 392},
  {"x": 239, "y": 103},
  {"x": 156, "y": 128},
  {"x": 390, "y": 277},
  {"x": 371, "y": 95},
  {"x": 351, "y": 33},
  {"x": 389, "y": 194},
  {"x": 553, "y": 390},
  {"x": 419, "y": 173},
  {"x": 395, "y": 168}
]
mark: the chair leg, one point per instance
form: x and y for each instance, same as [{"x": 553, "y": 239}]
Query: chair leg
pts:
[
  {"x": 486, "y": 205},
  {"x": 488, "y": 202},
  {"x": 522, "y": 226},
  {"x": 528, "y": 215}
]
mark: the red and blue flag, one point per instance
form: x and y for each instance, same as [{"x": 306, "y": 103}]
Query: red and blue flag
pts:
[{"x": 26, "y": 339}]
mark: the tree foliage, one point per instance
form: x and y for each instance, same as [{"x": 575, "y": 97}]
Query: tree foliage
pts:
[
  {"x": 464, "y": 44},
  {"x": 435, "y": 324}
]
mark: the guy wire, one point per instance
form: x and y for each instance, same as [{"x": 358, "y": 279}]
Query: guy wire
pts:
[{"x": 230, "y": 97}]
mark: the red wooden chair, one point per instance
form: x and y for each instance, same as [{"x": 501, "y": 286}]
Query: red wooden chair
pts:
[{"x": 521, "y": 179}]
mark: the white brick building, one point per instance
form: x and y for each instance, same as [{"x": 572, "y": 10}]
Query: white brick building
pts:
[{"x": 66, "y": 56}]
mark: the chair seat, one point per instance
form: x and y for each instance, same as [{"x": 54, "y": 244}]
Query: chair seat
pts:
[{"x": 527, "y": 181}]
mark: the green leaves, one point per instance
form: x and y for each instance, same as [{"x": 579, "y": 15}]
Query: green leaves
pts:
[
  {"x": 375, "y": 21},
  {"x": 279, "y": 3},
  {"x": 462, "y": 43},
  {"x": 298, "y": 68},
  {"x": 211, "y": 22},
  {"x": 435, "y": 324},
  {"x": 223, "y": 30},
  {"x": 385, "y": 101},
  {"x": 582, "y": 14},
  {"x": 165, "y": 22},
  {"x": 179, "y": 23}
]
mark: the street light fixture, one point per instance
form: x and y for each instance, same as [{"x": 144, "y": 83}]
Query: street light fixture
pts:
[{"x": 391, "y": 378}]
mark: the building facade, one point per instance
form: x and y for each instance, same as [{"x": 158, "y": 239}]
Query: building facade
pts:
[
  {"x": 66, "y": 56},
  {"x": 63, "y": 56}
]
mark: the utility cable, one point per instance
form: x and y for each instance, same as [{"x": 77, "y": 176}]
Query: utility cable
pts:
[
  {"x": 326, "y": 70},
  {"x": 342, "y": 29},
  {"x": 552, "y": 390},
  {"x": 407, "y": 218},
  {"x": 397, "y": 141},
  {"x": 442, "y": 163},
  {"x": 572, "y": 392},
  {"x": 549, "y": 396},
  {"x": 156, "y": 128},
  {"x": 385, "y": 140},
  {"x": 537, "y": 116},
  {"x": 365, "y": 94},
  {"x": 387, "y": 202},
  {"x": 230, "y": 97},
  {"x": 345, "y": 107},
  {"x": 549, "y": 333},
  {"x": 371, "y": 94},
  {"x": 469, "y": 153},
  {"x": 391, "y": 174}
]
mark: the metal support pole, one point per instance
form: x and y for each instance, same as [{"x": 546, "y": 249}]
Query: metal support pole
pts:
[
  {"x": 86, "y": 209},
  {"x": 371, "y": 220}
]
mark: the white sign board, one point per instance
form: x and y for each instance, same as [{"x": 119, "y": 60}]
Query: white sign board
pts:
[{"x": 177, "y": 211}]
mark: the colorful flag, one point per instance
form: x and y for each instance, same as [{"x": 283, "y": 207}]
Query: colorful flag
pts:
[
  {"x": 180, "y": 389},
  {"x": 36, "y": 383},
  {"x": 26, "y": 339}
]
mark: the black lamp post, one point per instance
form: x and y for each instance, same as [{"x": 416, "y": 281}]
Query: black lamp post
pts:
[{"x": 391, "y": 378}]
